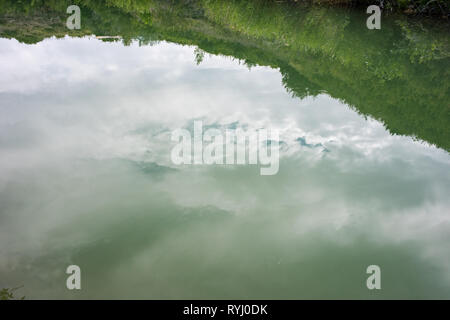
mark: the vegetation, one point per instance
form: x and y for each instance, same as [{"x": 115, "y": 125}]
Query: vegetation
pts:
[
  {"x": 411, "y": 7},
  {"x": 8, "y": 294},
  {"x": 399, "y": 76}
]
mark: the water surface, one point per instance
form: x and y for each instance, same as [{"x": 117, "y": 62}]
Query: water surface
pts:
[{"x": 86, "y": 176}]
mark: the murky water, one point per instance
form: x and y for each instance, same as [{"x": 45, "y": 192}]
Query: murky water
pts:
[{"x": 86, "y": 178}]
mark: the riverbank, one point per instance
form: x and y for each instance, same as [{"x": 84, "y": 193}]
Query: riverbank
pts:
[{"x": 434, "y": 8}]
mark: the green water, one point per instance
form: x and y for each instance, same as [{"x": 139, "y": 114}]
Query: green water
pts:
[{"x": 86, "y": 176}]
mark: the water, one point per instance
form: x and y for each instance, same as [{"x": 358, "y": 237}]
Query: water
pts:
[{"x": 86, "y": 176}]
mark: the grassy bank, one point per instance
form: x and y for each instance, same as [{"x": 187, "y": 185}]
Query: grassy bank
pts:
[{"x": 436, "y": 8}]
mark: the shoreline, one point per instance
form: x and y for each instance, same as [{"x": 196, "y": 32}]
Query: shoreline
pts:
[{"x": 435, "y": 9}]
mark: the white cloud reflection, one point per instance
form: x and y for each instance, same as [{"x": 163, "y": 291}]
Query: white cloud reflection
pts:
[{"x": 71, "y": 107}]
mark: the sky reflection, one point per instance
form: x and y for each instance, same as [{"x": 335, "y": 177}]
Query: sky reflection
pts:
[{"x": 86, "y": 178}]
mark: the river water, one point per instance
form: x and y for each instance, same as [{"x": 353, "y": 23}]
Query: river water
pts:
[{"x": 86, "y": 179}]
